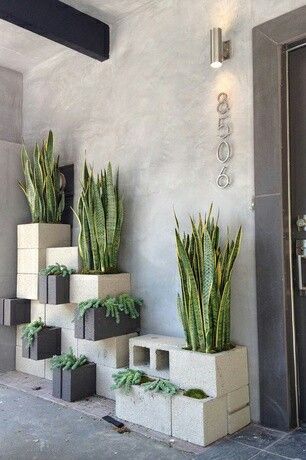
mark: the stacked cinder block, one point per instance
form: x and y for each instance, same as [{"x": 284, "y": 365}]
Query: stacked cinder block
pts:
[
  {"x": 111, "y": 354},
  {"x": 222, "y": 376},
  {"x": 32, "y": 243}
]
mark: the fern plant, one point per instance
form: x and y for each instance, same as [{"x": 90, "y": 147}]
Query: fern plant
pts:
[
  {"x": 57, "y": 269},
  {"x": 126, "y": 378},
  {"x": 68, "y": 361},
  {"x": 205, "y": 273},
  {"x": 100, "y": 216},
  {"x": 31, "y": 330},
  {"x": 161, "y": 386},
  {"x": 42, "y": 187},
  {"x": 124, "y": 303}
]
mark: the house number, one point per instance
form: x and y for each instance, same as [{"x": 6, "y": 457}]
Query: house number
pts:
[{"x": 224, "y": 151}]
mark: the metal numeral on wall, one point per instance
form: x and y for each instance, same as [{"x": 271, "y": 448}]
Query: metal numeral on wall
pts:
[{"x": 224, "y": 151}]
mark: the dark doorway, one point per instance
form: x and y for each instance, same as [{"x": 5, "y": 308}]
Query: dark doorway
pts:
[{"x": 297, "y": 168}]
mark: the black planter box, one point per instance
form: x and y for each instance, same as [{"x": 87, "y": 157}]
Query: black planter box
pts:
[
  {"x": 53, "y": 289},
  {"x": 15, "y": 311},
  {"x": 73, "y": 385},
  {"x": 94, "y": 325},
  {"x": 46, "y": 344}
]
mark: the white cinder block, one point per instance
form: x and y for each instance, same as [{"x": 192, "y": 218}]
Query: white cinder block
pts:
[
  {"x": 216, "y": 374},
  {"x": 238, "y": 399},
  {"x": 200, "y": 421},
  {"x": 31, "y": 260},
  {"x": 60, "y": 315},
  {"x": 105, "y": 381},
  {"x": 113, "y": 352},
  {"x": 27, "y": 286},
  {"x": 64, "y": 256},
  {"x": 83, "y": 287},
  {"x": 151, "y": 410},
  {"x": 150, "y": 353},
  {"x": 42, "y": 236},
  {"x": 37, "y": 311},
  {"x": 239, "y": 419},
  {"x": 29, "y": 366}
]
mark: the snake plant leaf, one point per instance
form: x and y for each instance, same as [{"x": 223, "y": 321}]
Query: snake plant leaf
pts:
[{"x": 205, "y": 273}]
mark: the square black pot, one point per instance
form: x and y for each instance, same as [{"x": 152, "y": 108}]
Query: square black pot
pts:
[
  {"x": 46, "y": 344},
  {"x": 94, "y": 325},
  {"x": 53, "y": 289},
  {"x": 73, "y": 385},
  {"x": 15, "y": 311}
]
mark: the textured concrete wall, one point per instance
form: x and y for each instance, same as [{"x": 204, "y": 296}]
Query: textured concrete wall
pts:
[
  {"x": 13, "y": 208},
  {"x": 151, "y": 110}
]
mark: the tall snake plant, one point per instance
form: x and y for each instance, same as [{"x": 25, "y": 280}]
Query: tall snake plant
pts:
[
  {"x": 42, "y": 186},
  {"x": 100, "y": 216},
  {"x": 205, "y": 272}
]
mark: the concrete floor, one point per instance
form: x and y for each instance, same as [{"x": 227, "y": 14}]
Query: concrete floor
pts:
[{"x": 33, "y": 428}]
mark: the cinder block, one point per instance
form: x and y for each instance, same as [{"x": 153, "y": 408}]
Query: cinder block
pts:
[
  {"x": 150, "y": 353},
  {"x": 27, "y": 286},
  {"x": 64, "y": 256},
  {"x": 239, "y": 419},
  {"x": 42, "y": 236},
  {"x": 15, "y": 311},
  {"x": 29, "y": 366},
  {"x": 238, "y": 399},
  {"x": 68, "y": 340},
  {"x": 113, "y": 352},
  {"x": 60, "y": 315},
  {"x": 38, "y": 310},
  {"x": 31, "y": 260},
  {"x": 105, "y": 381},
  {"x": 145, "y": 408},
  {"x": 200, "y": 421},
  {"x": 7, "y": 357},
  {"x": 83, "y": 287},
  {"x": 216, "y": 374}
]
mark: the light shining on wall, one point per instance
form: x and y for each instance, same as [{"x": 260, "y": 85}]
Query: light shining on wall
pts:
[{"x": 219, "y": 50}]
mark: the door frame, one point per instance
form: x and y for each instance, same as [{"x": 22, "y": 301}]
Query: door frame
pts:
[{"x": 275, "y": 309}]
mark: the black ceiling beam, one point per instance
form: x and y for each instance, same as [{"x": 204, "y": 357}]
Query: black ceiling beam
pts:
[{"x": 61, "y": 23}]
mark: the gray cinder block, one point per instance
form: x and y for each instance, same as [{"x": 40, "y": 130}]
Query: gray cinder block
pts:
[
  {"x": 73, "y": 385},
  {"x": 95, "y": 325},
  {"x": 84, "y": 287},
  {"x": 15, "y": 311},
  {"x": 200, "y": 421},
  {"x": 53, "y": 289},
  {"x": 46, "y": 344},
  {"x": 216, "y": 374},
  {"x": 151, "y": 410}
]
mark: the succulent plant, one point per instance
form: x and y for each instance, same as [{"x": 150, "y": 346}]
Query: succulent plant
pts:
[
  {"x": 57, "y": 269},
  {"x": 205, "y": 273},
  {"x": 43, "y": 186},
  {"x": 31, "y": 330},
  {"x": 68, "y": 361},
  {"x": 126, "y": 379},
  {"x": 161, "y": 386},
  {"x": 115, "y": 306},
  {"x": 100, "y": 216}
]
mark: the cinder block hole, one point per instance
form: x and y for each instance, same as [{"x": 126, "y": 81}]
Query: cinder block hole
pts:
[
  {"x": 162, "y": 360},
  {"x": 141, "y": 356}
]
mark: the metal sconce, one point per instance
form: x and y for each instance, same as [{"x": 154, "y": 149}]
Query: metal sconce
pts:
[{"x": 219, "y": 50}]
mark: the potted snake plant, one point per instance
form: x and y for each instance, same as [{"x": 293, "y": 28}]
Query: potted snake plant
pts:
[
  {"x": 44, "y": 191},
  {"x": 100, "y": 216}
]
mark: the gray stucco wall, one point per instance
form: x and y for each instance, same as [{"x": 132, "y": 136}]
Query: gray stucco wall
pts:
[
  {"x": 151, "y": 110},
  {"x": 13, "y": 209}
]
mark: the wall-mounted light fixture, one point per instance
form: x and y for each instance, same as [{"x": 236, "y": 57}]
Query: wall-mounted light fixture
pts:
[{"x": 219, "y": 50}]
